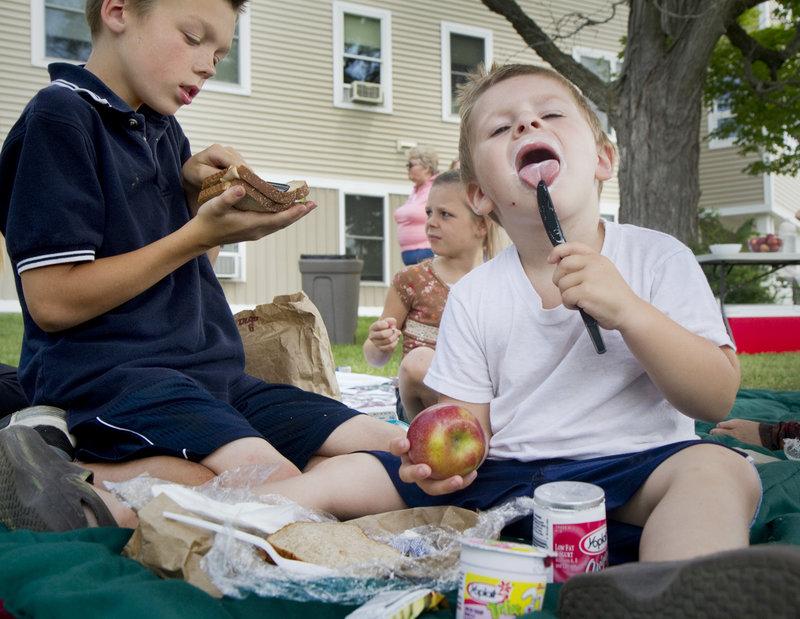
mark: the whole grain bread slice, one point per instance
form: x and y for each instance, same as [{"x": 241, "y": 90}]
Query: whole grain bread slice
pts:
[
  {"x": 260, "y": 195},
  {"x": 333, "y": 544}
]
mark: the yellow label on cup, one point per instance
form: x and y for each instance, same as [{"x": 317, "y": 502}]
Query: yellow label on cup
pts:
[{"x": 497, "y": 598}]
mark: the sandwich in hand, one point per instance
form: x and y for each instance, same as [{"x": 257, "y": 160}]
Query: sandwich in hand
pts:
[{"x": 261, "y": 195}]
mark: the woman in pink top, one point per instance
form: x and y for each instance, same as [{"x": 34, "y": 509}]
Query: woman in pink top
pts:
[{"x": 422, "y": 169}]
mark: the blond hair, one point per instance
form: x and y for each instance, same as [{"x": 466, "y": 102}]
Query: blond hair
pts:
[
  {"x": 140, "y": 7},
  {"x": 491, "y": 242},
  {"x": 427, "y": 157},
  {"x": 482, "y": 81}
]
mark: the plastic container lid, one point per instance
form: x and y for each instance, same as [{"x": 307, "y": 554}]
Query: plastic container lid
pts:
[{"x": 569, "y": 495}]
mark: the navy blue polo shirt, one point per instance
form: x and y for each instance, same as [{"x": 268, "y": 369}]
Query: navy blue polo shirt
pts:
[{"x": 82, "y": 177}]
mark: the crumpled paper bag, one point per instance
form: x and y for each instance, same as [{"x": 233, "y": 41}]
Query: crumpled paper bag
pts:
[
  {"x": 169, "y": 548},
  {"x": 286, "y": 342},
  {"x": 388, "y": 524}
]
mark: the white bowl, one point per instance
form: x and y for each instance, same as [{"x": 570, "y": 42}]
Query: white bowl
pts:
[{"x": 726, "y": 248}]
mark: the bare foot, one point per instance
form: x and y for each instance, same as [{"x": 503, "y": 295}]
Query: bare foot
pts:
[{"x": 744, "y": 430}]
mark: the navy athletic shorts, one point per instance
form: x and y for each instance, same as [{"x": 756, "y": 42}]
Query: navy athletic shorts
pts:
[
  {"x": 498, "y": 481},
  {"x": 177, "y": 417}
]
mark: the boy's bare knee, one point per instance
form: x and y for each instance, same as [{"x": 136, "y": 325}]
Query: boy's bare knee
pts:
[{"x": 247, "y": 452}]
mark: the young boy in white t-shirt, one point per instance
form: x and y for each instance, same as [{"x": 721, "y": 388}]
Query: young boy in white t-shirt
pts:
[{"x": 513, "y": 350}]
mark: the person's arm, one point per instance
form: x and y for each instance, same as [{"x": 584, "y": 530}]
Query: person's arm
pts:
[
  {"x": 384, "y": 333},
  {"x": 63, "y": 296},
  {"x": 695, "y": 375},
  {"x": 777, "y": 433}
]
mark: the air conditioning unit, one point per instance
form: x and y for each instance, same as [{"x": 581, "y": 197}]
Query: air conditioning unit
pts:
[
  {"x": 366, "y": 92},
  {"x": 228, "y": 266}
]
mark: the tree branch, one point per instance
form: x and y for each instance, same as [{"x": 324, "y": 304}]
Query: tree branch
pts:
[
  {"x": 773, "y": 59},
  {"x": 592, "y": 86}
]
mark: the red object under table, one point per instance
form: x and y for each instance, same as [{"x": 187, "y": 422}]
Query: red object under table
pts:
[{"x": 758, "y": 334}]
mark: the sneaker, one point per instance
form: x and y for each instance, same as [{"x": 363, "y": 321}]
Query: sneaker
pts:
[
  {"x": 50, "y": 422},
  {"x": 42, "y": 492},
  {"x": 758, "y": 581}
]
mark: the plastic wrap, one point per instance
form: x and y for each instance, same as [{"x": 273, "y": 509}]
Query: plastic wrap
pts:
[
  {"x": 431, "y": 560},
  {"x": 430, "y": 552}
]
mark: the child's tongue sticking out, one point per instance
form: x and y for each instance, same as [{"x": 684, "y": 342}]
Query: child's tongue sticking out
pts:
[{"x": 539, "y": 165}]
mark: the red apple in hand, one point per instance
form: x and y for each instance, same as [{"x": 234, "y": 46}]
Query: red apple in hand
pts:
[{"x": 447, "y": 438}]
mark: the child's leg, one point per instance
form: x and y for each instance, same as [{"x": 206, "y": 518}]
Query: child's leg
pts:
[
  {"x": 300, "y": 424},
  {"x": 699, "y": 501},
  {"x": 246, "y": 452},
  {"x": 416, "y": 396},
  {"x": 168, "y": 468},
  {"x": 346, "y": 486},
  {"x": 360, "y": 433}
]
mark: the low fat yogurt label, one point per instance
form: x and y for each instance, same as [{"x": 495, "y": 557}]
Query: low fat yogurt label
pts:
[{"x": 580, "y": 548}]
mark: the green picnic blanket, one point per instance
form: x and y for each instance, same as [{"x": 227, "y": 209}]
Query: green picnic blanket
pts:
[{"x": 81, "y": 573}]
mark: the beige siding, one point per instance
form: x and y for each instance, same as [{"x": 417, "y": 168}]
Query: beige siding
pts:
[
  {"x": 786, "y": 194},
  {"x": 287, "y": 127},
  {"x": 21, "y": 80},
  {"x": 723, "y": 183}
]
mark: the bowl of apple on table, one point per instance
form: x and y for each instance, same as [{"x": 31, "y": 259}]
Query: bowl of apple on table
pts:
[
  {"x": 448, "y": 438},
  {"x": 768, "y": 243}
]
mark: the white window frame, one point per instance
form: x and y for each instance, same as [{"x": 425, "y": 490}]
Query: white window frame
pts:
[
  {"x": 614, "y": 62},
  {"x": 39, "y": 57},
  {"x": 385, "y": 17},
  {"x": 234, "y": 257},
  {"x": 448, "y": 28},
  {"x": 715, "y": 116},
  {"x": 355, "y": 191}
]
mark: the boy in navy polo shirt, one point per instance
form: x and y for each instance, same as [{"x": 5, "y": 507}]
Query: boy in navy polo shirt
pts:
[{"x": 126, "y": 326}]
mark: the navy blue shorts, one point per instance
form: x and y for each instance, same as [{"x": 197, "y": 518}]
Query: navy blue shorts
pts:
[
  {"x": 177, "y": 417},
  {"x": 498, "y": 481}
]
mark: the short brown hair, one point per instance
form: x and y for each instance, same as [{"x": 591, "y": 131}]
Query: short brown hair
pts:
[
  {"x": 140, "y": 7},
  {"x": 483, "y": 81}
]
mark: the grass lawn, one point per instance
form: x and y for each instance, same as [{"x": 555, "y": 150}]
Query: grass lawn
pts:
[{"x": 762, "y": 371}]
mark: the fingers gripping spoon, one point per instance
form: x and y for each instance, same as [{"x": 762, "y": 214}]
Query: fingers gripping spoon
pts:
[{"x": 556, "y": 236}]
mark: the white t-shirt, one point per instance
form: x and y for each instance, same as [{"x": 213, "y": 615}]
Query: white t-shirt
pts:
[{"x": 551, "y": 395}]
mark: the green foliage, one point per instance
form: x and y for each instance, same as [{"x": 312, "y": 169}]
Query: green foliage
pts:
[
  {"x": 745, "y": 283},
  {"x": 764, "y": 100}
]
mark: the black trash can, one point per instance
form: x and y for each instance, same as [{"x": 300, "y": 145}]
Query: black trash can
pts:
[{"x": 332, "y": 283}]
